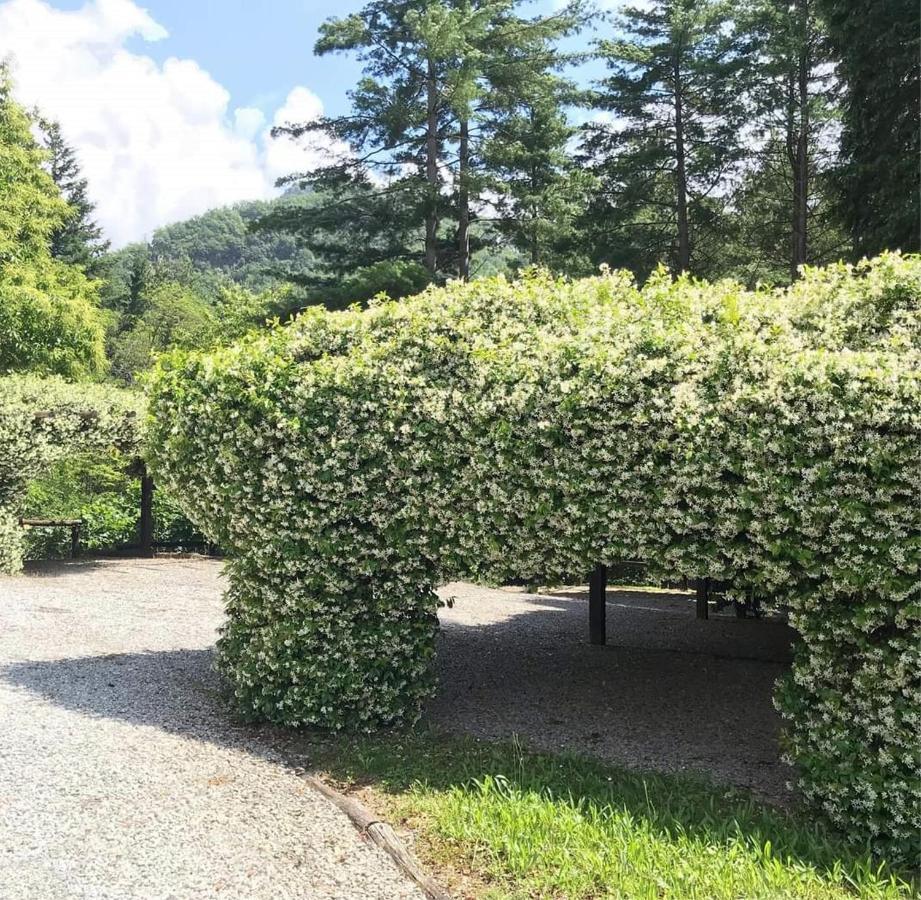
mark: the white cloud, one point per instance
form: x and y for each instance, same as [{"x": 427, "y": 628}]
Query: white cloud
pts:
[
  {"x": 158, "y": 142},
  {"x": 284, "y": 155},
  {"x": 248, "y": 121}
]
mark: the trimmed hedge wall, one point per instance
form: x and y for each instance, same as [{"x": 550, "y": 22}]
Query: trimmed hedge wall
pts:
[
  {"x": 351, "y": 462},
  {"x": 43, "y": 420}
]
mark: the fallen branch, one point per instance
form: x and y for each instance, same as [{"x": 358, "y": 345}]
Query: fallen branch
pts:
[{"x": 382, "y": 834}]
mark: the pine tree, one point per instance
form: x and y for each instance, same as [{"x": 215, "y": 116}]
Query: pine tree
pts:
[
  {"x": 667, "y": 141},
  {"x": 537, "y": 190},
  {"x": 877, "y": 44},
  {"x": 524, "y": 133},
  {"x": 79, "y": 239},
  {"x": 784, "y": 203},
  {"x": 434, "y": 71},
  {"x": 388, "y": 188}
]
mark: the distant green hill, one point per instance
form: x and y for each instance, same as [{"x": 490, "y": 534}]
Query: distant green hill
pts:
[
  {"x": 205, "y": 251},
  {"x": 221, "y": 246}
]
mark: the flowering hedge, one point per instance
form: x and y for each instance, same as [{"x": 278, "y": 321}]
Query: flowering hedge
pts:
[
  {"x": 43, "y": 420},
  {"x": 353, "y": 461}
]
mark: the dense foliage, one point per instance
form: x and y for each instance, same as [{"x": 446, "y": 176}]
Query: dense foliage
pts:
[
  {"x": 44, "y": 420},
  {"x": 103, "y": 489},
  {"x": 49, "y": 320},
  {"x": 353, "y": 461},
  {"x": 220, "y": 246},
  {"x": 876, "y": 45}
]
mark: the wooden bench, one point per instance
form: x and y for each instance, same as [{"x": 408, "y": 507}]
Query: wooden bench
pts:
[{"x": 73, "y": 524}]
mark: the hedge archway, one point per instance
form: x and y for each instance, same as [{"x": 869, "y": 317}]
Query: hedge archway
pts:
[{"x": 353, "y": 461}]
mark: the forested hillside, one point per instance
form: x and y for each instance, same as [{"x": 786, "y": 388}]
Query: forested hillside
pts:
[{"x": 253, "y": 246}]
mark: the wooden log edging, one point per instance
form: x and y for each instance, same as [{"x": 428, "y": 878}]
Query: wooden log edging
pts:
[{"x": 381, "y": 833}]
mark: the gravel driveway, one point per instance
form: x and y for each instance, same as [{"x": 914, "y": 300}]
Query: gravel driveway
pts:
[{"x": 120, "y": 775}]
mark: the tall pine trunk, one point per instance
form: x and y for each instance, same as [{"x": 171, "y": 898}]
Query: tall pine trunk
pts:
[
  {"x": 798, "y": 143},
  {"x": 681, "y": 178},
  {"x": 535, "y": 212},
  {"x": 463, "y": 201},
  {"x": 431, "y": 169}
]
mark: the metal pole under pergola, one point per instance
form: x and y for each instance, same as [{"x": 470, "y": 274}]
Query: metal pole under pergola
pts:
[{"x": 597, "y": 602}]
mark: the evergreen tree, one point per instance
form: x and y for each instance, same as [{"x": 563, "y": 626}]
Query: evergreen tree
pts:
[
  {"x": 877, "y": 45},
  {"x": 668, "y": 142},
  {"x": 760, "y": 236},
  {"x": 434, "y": 71},
  {"x": 527, "y": 171},
  {"x": 389, "y": 187},
  {"x": 130, "y": 277},
  {"x": 536, "y": 190},
  {"x": 784, "y": 204},
  {"x": 78, "y": 240}
]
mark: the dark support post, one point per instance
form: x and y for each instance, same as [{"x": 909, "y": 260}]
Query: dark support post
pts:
[
  {"x": 147, "y": 489},
  {"x": 74, "y": 541},
  {"x": 703, "y": 598},
  {"x": 597, "y": 591}
]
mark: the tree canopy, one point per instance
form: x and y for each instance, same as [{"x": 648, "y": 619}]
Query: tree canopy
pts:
[
  {"x": 49, "y": 319},
  {"x": 876, "y": 44},
  {"x": 78, "y": 239}
]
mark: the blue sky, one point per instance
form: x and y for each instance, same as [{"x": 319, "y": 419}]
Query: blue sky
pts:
[
  {"x": 170, "y": 103},
  {"x": 257, "y": 50}
]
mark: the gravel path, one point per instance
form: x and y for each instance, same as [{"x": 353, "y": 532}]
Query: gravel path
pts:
[
  {"x": 667, "y": 692},
  {"x": 120, "y": 775}
]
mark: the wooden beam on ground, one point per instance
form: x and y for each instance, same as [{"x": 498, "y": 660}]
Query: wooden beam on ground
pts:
[{"x": 597, "y": 605}]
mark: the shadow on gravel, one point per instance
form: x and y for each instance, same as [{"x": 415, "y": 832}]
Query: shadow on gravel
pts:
[
  {"x": 59, "y": 568},
  {"x": 176, "y": 691},
  {"x": 668, "y": 692},
  {"x": 531, "y": 675}
]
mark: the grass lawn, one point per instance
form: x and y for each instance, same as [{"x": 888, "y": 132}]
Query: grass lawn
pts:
[{"x": 493, "y": 821}]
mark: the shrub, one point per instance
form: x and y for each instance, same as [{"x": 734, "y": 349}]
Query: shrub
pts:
[
  {"x": 44, "y": 420},
  {"x": 353, "y": 461}
]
